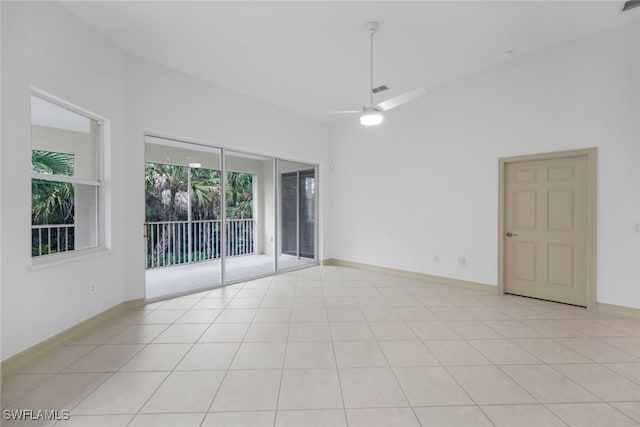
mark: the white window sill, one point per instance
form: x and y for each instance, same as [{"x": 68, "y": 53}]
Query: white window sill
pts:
[{"x": 48, "y": 261}]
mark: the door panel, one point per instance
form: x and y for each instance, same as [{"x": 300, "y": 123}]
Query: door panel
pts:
[
  {"x": 525, "y": 208},
  {"x": 525, "y": 261},
  {"x": 307, "y": 195},
  {"x": 546, "y": 226},
  {"x": 298, "y": 213},
  {"x": 561, "y": 261},
  {"x": 289, "y": 208},
  {"x": 561, "y": 209},
  {"x": 297, "y": 201}
]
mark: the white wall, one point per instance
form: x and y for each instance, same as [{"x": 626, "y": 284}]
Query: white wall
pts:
[
  {"x": 44, "y": 46},
  {"x": 425, "y": 182}
]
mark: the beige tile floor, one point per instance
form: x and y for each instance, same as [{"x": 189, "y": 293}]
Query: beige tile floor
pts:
[{"x": 331, "y": 346}]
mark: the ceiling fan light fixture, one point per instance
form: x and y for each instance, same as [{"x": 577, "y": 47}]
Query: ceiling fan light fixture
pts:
[{"x": 371, "y": 117}]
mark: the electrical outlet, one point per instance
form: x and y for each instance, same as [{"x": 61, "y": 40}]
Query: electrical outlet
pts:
[
  {"x": 92, "y": 288},
  {"x": 462, "y": 261},
  {"x": 436, "y": 258}
]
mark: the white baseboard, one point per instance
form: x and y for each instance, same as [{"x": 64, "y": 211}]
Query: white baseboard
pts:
[
  {"x": 413, "y": 274},
  {"x": 620, "y": 310}
]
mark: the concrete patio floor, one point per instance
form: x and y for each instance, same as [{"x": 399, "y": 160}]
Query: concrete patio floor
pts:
[{"x": 180, "y": 279}]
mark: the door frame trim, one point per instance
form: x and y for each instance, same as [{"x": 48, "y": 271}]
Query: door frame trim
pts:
[{"x": 591, "y": 155}]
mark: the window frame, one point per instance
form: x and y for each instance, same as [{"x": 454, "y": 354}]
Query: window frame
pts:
[{"x": 102, "y": 128}]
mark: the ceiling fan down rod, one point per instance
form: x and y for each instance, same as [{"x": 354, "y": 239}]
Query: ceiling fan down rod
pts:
[{"x": 371, "y": 27}]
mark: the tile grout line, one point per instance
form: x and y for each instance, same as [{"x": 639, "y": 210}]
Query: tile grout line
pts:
[
  {"x": 111, "y": 374},
  {"x": 335, "y": 358},
  {"x": 393, "y": 372},
  {"x": 284, "y": 359},
  {"x": 170, "y": 372},
  {"x": 224, "y": 377}
]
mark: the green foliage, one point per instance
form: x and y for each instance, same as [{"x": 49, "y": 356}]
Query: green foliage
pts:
[
  {"x": 51, "y": 202},
  {"x": 239, "y": 195},
  {"x": 167, "y": 195},
  {"x": 166, "y": 192},
  {"x": 205, "y": 194},
  {"x": 49, "y": 162}
]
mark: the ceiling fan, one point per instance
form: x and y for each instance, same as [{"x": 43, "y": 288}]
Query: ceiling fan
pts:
[{"x": 372, "y": 114}]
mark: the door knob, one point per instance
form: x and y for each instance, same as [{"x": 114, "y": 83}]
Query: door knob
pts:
[{"x": 510, "y": 234}]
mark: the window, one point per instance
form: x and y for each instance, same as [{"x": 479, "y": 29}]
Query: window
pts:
[{"x": 65, "y": 178}]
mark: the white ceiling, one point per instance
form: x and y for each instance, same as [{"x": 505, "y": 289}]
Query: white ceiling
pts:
[{"x": 309, "y": 57}]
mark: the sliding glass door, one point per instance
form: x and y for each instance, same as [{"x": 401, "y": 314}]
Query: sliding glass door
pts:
[
  {"x": 297, "y": 214},
  {"x": 215, "y": 216}
]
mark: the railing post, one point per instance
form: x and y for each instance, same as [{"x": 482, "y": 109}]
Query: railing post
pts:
[
  {"x": 151, "y": 247},
  {"x": 189, "y": 218},
  {"x": 253, "y": 236},
  {"x": 189, "y": 241}
]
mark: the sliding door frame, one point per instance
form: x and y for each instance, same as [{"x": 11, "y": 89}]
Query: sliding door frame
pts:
[
  {"x": 223, "y": 216},
  {"x": 276, "y": 216}
]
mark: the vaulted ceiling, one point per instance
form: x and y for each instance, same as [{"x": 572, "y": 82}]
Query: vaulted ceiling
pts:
[{"x": 308, "y": 57}]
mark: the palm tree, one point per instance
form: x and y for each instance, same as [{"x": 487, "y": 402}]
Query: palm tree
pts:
[
  {"x": 49, "y": 162},
  {"x": 166, "y": 192},
  {"x": 51, "y": 202},
  {"x": 239, "y": 195},
  {"x": 205, "y": 194},
  {"x": 167, "y": 199}
]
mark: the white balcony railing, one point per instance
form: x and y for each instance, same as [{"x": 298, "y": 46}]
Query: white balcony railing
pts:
[
  {"x": 49, "y": 239},
  {"x": 182, "y": 242}
]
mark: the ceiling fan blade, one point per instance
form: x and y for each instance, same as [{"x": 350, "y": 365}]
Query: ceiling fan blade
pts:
[
  {"x": 401, "y": 99},
  {"x": 339, "y": 111}
]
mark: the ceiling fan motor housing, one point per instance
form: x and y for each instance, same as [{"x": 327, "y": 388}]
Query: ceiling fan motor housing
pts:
[{"x": 371, "y": 109}]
